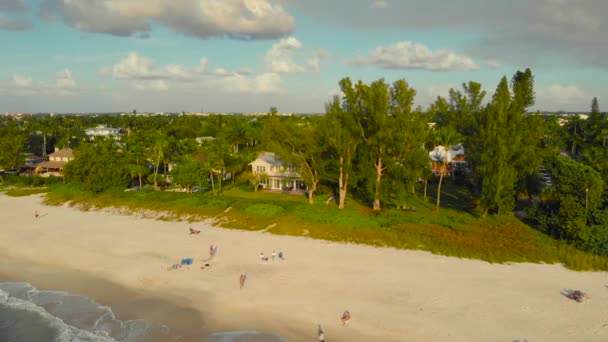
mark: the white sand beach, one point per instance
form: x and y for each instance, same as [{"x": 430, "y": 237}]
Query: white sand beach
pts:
[{"x": 393, "y": 295}]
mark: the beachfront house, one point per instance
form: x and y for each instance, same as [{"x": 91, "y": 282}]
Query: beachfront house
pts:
[
  {"x": 278, "y": 175},
  {"x": 455, "y": 164},
  {"x": 57, "y": 160},
  {"x": 103, "y": 131}
]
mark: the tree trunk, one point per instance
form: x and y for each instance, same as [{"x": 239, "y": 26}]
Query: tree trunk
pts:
[
  {"x": 212, "y": 183},
  {"x": 43, "y": 144},
  {"x": 311, "y": 196},
  {"x": 378, "y": 180},
  {"x": 140, "y": 181},
  {"x": 342, "y": 185},
  {"x": 156, "y": 171},
  {"x": 220, "y": 177},
  {"x": 425, "y": 185},
  {"x": 439, "y": 191}
]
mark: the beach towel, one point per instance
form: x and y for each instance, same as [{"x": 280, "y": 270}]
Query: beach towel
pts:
[{"x": 187, "y": 261}]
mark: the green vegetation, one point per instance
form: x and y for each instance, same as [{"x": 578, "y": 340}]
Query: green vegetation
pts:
[
  {"x": 452, "y": 232},
  {"x": 21, "y": 192},
  {"x": 370, "y": 152}
]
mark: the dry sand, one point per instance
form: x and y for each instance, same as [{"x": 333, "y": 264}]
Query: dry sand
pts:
[{"x": 393, "y": 295}]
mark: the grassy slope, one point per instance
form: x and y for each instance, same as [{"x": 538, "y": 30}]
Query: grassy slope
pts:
[{"x": 453, "y": 230}]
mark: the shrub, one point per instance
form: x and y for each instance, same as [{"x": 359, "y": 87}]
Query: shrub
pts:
[{"x": 264, "y": 210}]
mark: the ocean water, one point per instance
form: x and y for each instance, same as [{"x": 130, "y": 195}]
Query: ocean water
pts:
[{"x": 31, "y": 315}]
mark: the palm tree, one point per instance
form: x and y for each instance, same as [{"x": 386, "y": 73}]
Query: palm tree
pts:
[{"x": 446, "y": 137}]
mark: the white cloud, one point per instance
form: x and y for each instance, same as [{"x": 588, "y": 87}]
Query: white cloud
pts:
[
  {"x": 221, "y": 72},
  {"x": 493, "y": 64},
  {"x": 133, "y": 67},
  {"x": 245, "y": 71},
  {"x": 279, "y": 59},
  {"x": 65, "y": 84},
  {"x": 150, "y": 85},
  {"x": 238, "y": 19},
  {"x": 379, "y": 4},
  {"x": 20, "y": 81},
  {"x": 408, "y": 55},
  {"x": 203, "y": 63},
  {"x": 558, "y": 96},
  {"x": 263, "y": 84},
  {"x": 318, "y": 56},
  {"x": 145, "y": 75}
]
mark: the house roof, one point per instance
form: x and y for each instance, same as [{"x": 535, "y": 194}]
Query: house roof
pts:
[
  {"x": 64, "y": 152},
  {"x": 52, "y": 164},
  {"x": 269, "y": 158}
]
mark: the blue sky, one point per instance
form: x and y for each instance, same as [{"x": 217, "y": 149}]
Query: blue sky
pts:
[{"x": 248, "y": 55}]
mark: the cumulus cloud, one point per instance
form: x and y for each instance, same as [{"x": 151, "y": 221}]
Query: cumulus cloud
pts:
[
  {"x": 263, "y": 84},
  {"x": 408, "y": 55},
  {"x": 563, "y": 92},
  {"x": 237, "y": 19},
  {"x": 137, "y": 67},
  {"x": 279, "y": 59},
  {"x": 314, "y": 62},
  {"x": 21, "y": 81},
  {"x": 560, "y": 32},
  {"x": 144, "y": 75},
  {"x": 65, "y": 83}
]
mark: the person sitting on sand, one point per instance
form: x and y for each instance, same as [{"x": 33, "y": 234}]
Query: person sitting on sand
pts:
[
  {"x": 263, "y": 257},
  {"x": 281, "y": 256},
  {"x": 345, "y": 318}
]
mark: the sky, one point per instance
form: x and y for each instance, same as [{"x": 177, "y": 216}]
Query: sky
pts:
[{"x": 249, "y": 55}]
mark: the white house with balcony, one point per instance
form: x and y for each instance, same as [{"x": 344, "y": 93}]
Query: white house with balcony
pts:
[
  {"x": 103, "y": 131},
  {"x": 279, "y": 175}
]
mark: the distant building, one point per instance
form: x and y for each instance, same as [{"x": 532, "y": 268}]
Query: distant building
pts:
[
  {"x": 455, "y": 163},
  {"x": 278, "y": 175},
  {"x": 201, "y": 140},
  {"x": 103, "y": 131},
  {"x": 57, "y": 160}
]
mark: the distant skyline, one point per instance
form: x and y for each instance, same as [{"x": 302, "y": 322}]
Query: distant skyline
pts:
[{"x": 249, "y": 55}]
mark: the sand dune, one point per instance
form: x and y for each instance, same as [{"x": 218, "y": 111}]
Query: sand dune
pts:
[{"x": 393, "y": 295}]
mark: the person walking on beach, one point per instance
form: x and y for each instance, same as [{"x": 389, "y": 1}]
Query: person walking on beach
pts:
[
  {"x": 242, "y": 280},
  {"x": 211, "y": 251},
  {"x": 36, "y": 214},
  {"x": 273, "y": 255},
  {"x": 321, "y": 334}
]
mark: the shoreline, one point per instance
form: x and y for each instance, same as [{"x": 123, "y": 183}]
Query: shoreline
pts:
[
  {"x": 185, "y": 322},
  {"x": 394, "y": 295}
]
